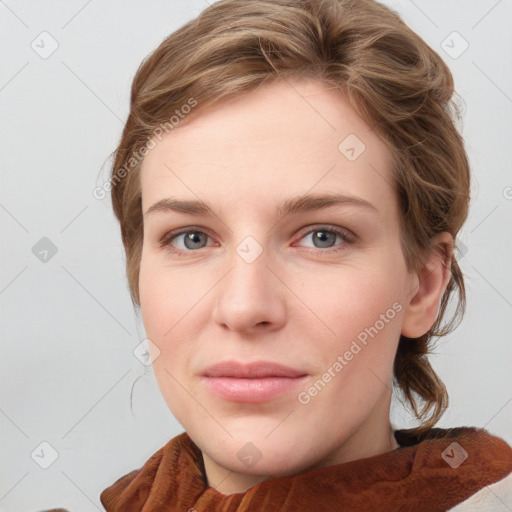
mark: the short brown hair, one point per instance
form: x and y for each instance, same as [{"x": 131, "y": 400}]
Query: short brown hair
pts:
[{"x": 393, "y": 80}]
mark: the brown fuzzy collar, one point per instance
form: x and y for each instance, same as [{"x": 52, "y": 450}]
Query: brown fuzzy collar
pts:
[{"x": 420, "y": 476}]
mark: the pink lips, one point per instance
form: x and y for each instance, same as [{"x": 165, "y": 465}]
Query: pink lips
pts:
[{"x": 253, "y": 382}]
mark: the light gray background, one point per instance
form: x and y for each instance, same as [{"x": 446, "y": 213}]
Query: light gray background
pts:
[{"x": 68, "y": 326}]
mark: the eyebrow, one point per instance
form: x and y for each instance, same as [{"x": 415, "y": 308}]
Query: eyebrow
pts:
[{"x": 290, "y": 206}]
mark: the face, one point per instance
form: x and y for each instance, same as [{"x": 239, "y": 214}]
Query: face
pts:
[{"x": 259, "y": 276}]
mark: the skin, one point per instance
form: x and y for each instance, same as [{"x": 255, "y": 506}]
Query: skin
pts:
[{"x": 299, "y": 303}]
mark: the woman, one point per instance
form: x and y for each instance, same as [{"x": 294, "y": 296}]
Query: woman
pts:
[{"x": 290, "y": 184}]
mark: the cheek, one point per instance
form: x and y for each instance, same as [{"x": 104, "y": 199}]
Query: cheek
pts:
[
  {"x": 157, "y": 303},
  {"x": 175, "y": 310},
  {"x": 357, "y": 298},
  {"x": 363, "y": 310},
  {"x": 165, "y": 300}
]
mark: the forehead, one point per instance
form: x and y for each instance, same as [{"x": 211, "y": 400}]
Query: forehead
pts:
[{"x": 288, "y": 137}]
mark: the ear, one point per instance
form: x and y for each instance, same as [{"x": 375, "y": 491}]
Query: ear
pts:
[{"x": 427, "y": 288}]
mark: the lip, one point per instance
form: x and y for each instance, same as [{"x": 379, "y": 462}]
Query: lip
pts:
[
  {"x": 253, "y": 370},
  {"x": 253, "y": 382}
]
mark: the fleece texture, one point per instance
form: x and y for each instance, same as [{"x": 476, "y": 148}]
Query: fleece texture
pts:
[{"x": 430, "y": 473}]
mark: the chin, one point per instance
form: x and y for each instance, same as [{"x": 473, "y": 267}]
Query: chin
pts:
[{"x": 256, "y": 453}]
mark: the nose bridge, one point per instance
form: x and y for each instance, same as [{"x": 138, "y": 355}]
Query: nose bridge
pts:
[
  {"x": 248, "y": 280},
  {"x": 248, "y": 252},
  {"x": 249, "y": 293}
]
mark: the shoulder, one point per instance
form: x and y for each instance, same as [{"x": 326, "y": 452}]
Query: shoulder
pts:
[{"x": 496, "y": 497}]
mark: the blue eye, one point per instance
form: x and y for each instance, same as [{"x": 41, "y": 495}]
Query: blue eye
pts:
[
  {"x": 323, "y": 238},
  {"x": 192, "y": 240}
]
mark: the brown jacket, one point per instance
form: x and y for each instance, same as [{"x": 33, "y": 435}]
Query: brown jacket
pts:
[{"x": 466, "y": 468}]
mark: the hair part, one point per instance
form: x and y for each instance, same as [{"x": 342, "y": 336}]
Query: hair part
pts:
[{"x": 392, "y": 79}]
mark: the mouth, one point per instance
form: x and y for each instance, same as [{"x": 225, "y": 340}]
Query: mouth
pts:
[{"x": 251, "y": 382}]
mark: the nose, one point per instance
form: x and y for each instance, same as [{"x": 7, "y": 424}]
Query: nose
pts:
[{"x": 250, "y": 297}]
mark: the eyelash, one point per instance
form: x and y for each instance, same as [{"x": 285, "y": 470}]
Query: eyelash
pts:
[{"x": 346, "y": 236}]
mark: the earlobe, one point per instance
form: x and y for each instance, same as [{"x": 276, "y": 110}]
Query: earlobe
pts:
[{"x": 428, "y": 286}]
